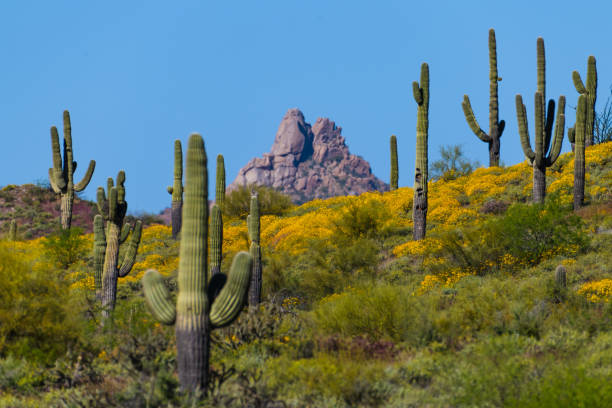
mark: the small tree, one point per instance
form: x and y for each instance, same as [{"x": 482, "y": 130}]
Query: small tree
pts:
[{"x": 452, "y": 163}]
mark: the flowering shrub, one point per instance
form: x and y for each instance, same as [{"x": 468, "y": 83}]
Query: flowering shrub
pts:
[{"x": 598, "y": 291}]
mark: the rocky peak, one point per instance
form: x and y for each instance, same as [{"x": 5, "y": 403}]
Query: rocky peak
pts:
[{"x": 309, "y": 162}]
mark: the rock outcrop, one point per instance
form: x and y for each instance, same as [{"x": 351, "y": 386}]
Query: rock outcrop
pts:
[{"x": 308, "y": 162}]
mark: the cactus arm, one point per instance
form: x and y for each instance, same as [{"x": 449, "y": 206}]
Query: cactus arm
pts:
[
  {"x": 216, "y": 240},
  {"x": 101, "y": 201},
  {"x": 417, "y": 93},
  {"x": 130, "y": 254},
  {"x": 571, "y": 134},
  {"x": 54, "y": 185},
  {"x": 501, "y": 127},
  {"x": 521, "y": 116},
  {"x": 125, "y": 232},
  {"x": 578, "y": 84},
  {"x": 559, "y": 133},
  {"x": 230, "y": 301},
  {"x": 169, "y": 189},
  {"x": 158, "y": 297},
  {"x": 112, "y": 203},
  {"x": 58, "y": 171},
  {"x": 471, "y": 120},
  {"x": 548, "y": 129},
  {"x": 220, "y": 184},
  {"x": 80, "y": 186}
]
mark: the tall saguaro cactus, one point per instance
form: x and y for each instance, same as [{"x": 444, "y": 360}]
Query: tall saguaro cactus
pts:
[
  {"x": 590, "y": 91},
  {"x": 112, "y": 210},
  {"x": 580, "y": 137},
  {"x": 545, "y": 154},
  {"x": 255, "y": 250},
  {"x": 216, "y": 240},
  {"x": 220, "y": 184},
  {"x": 177, "y": 189},
  {"x": 496, "y": 127},
  {"x": 393, "y": 181},
  {"x": 62, "y": 173},
  {"x": 196, "y": 314},
  {"x": 419, "y": 206}
]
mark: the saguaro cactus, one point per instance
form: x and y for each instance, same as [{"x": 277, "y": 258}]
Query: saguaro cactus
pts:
[
  {"x": 590, "y": 92},
  {"x": 255, "y": 250},
  {"x": 561, "y": 277},
  {"x": 419, "y": 207},
  {"x": 220, "y": 185},
  {"x": 61, "y": 175},
  {"x": 196, "y": 313},
  {"x": 579, "y": 137},
  {"x": 216, "y": 240},
  {"x": 544, "y": 155},
  {"x": 113, "y": 211},
  {"x": 177, "y": 189},
  {"x": 496, "y": 127},
  {"x": 12, "y": 233},
  {"x": 393, "y": 181}
]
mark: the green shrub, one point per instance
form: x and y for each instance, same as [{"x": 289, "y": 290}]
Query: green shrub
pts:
[
  {"x": 271, "y": 202},
  {"x": 65, "y": 247},
  {"x": 525, "y": 236},
  {"x": 38, "y": 314}
]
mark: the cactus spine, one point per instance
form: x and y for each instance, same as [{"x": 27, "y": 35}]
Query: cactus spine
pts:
[
  {"x": 496, "y": 127},
  {"x": 580, "y": 137},
  {"x": 113, "y": 211},
  {"x": 62, "y": 173},
  {"x": 393, "y": 182},
  {"x": 419, "y": 206},
  {"x": 255, "y": 250},
  {"x": 220, "y": 185},
  {"x": 177, "y": 189},
  {"x": 195, "y": 313},
  {"x": 544, "y": 155},
  {"x": 590, "y": 91}
]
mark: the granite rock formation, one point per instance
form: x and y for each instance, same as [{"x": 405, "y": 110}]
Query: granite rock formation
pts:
[{"x": 308, "y": 162}]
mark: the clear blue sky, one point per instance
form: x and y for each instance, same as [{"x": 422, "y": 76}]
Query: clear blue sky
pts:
[{"x": 136, "y": 75}]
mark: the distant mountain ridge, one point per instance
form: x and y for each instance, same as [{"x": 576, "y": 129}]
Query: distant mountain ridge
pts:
[{"x": 308, "y": 162}]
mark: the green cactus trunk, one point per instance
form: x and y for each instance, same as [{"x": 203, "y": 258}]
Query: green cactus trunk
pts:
[
  {"x": 590, "y": 92},
  {"x": 393, "y": 182},
  {"x": 177, "y": 190},
  {"x": 216, "y": 240},
  {"x": 579, "y": 150},
  {"x": 496, "y": 127},
  {"x": 220, "y": 184},
  {"x": 547, "y": 146},
  {"x": 99, "y": 252},
  {"x": 561, "y": 277},
  {"x": 196, "y": 312},
  {"x": 12, "y": 233},
  {"x": 419, "y": 207},
  {"x": 113, "y": 211},
  {"x": 61, "y": 176},
  {"x": 254, "y": 228}
]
